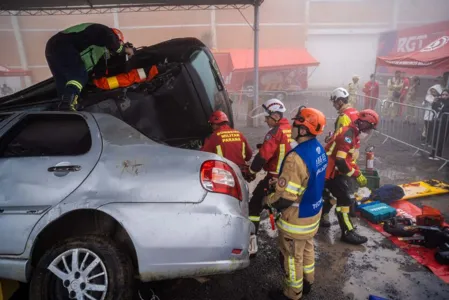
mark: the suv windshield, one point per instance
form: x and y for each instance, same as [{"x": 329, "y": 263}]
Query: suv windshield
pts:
[
  {"x": 208, "y": 71},
  {"x": 208, "y": 74}
]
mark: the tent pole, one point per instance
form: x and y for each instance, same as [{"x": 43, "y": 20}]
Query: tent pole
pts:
[
  {"x": 256, "y": 59},
  {"x": 20, "y": 48}
]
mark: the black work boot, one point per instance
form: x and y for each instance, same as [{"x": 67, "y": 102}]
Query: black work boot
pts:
[
  {"x": 352, "y": 237},
  {"x": 324, "y": 222},
  {"x": 306, "y": 287},
  {"x": 277, "y": 295},
  {"x": 69, "y": 102}
]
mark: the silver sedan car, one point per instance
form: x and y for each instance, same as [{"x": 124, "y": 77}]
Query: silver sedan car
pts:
[
  {"x": 87, "y": 203},
  {"x": 92, "y": 200}
]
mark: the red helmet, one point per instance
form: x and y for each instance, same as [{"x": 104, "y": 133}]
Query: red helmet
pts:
[
  {"x": 218, "y": 117},
  {"x": 369, "y": 116},
  {"x": 119, "y": 34},
  {"x": 311, "y": 118}
]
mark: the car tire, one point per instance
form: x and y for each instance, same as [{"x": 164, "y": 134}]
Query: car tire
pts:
[{"x": 95, "y": 255}]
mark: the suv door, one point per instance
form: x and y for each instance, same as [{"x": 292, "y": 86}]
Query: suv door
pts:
[{"x": 44, "y": 157}]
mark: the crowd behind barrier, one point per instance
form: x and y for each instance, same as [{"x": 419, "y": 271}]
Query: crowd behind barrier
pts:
[{"x": 419, "y": 128}]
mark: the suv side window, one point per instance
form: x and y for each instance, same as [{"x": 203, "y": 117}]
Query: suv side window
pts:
[{"x": 47, "y": 135}]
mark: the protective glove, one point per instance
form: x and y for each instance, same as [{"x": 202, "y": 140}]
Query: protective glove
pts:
[
  {"x": 361, "y": 180},
  {"x": 259, "y": 146}
]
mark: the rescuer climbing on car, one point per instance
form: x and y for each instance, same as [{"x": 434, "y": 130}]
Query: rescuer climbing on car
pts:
[
  {"x": 346, "y": 115},
  {"x": 227, "y": 142},
  {"x": 297, "y": 198},
  {"x": 73, "y": 53},
  {"x": 271, "y": 154},
  {"x": 342, "y": 168}
]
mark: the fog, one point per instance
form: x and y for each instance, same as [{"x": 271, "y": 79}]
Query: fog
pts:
[{"x": 343, "y": 36}]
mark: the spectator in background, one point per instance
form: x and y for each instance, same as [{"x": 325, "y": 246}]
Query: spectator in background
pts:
[
  {"x": 371, "y": 91},
  {"x": 395, "y": 86},
  {"x": 6, "y": 90},
  {"x": 404, "y": 91},
  {"x": 440, "y": 135},
  {"x": 412, "y": 112},
  {"x": 353, "y": 89},
  {"x": 446, "y": 80},
  {"x": 433, "y": 93}
]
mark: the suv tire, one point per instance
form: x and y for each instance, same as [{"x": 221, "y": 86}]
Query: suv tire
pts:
[{"x": 104, "y": 271}]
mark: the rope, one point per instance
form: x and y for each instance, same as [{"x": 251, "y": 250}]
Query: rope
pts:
[{"x": 153, "y": 296}]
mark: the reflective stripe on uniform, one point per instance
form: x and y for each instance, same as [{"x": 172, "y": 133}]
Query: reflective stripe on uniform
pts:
[
  {"x": 281, "y": 157},
  {"x": 344, "y": 211},
  {"x": 342, "y": 154},
  {"x": 243, "y": 151},
  {"x": 141, "y": 73},
  {"x": 297, "y": 229},
  {"x": 350, "y": 173},
  {"x": 254, "y": 219},
  {"x": 309, "y": 268},
  {"x": 291, "y": 280},
  {"x": 294, "y": 188},
  {"x": 219, "y": 152},
  {"x": 75, "y": 83},
  {"x": 120, "y": 48},
  {"x": 113, "y": 82},
  {"x": 331, "y": 149}
]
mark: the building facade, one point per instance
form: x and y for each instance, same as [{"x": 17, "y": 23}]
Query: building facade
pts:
[{"x": 341, "y": 34}]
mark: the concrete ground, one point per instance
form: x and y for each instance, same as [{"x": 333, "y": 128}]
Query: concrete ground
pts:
[{"x": 342, "y": 271}]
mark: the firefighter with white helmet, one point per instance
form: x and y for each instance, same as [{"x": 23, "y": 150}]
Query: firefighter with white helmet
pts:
[
  {"x": 346, "y": 115},
  {"x": 271, "y": 153}
]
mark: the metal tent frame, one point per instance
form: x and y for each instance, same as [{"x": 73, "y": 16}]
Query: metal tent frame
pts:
[{"x": 82, "y": 7}]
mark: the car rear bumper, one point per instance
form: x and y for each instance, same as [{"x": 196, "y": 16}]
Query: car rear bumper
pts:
[{"x": 187, "y": 240}]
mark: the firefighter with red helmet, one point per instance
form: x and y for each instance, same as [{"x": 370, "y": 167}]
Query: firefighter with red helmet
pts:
[
  {"x": 271, "y": 153},
  {"x": 346, "y": 115},
  {"x": 297, "y": 198},
  {"x": 73, "y": 53},
  {"x": 342, "y": 168},
  {"x": 227, "y": 142}
]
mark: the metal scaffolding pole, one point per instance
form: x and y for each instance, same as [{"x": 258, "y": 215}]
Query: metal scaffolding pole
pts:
[{"x": 256, "y": 59}]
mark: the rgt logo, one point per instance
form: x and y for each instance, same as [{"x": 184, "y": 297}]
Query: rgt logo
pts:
[
  {"x": 411, "y": 43},
  {"x": 436, "y": 44}
]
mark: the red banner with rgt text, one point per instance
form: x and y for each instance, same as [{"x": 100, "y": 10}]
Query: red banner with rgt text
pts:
[{"x": 424, "y": 256}]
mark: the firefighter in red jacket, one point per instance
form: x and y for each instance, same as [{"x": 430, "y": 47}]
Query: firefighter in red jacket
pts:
[
  {"x": 226, "y": 141},
  {"x": 341, "y": 168},
  {"x": 275, "y": 146},
  {"x": 347, "y": 115}
]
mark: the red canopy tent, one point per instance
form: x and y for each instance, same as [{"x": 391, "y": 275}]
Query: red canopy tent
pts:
[
  {"x": 6, "y": 72},
  {"x": 435, "y": 55},
  {"x": 281, "y": 69}
]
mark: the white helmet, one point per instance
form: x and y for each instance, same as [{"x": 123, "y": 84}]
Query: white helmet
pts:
[
  {"x": 272, "y": 106},
  {"x": 339, "y": 93}
]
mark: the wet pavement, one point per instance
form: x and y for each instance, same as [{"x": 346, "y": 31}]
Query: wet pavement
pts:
[{"x": 342, "y": 271}]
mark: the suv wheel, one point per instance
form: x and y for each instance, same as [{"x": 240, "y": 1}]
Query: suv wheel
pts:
[{"x": 83, "y": 268}]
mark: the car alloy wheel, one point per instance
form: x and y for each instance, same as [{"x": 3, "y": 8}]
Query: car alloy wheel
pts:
[{"x": 85, "y": 277}]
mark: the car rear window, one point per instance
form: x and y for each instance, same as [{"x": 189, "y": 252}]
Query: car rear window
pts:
[{"x": 47, "y": 135}]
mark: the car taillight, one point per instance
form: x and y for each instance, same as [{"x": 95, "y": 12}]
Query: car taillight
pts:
[{"x": 219, "y": 177}]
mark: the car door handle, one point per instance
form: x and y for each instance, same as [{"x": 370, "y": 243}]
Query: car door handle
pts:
[{"x": 64, "y": 169}]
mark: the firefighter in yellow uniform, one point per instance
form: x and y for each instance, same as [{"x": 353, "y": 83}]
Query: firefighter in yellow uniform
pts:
[
  {"x": 298, "y": 199},
  {"x": 347, "y": 115}
]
